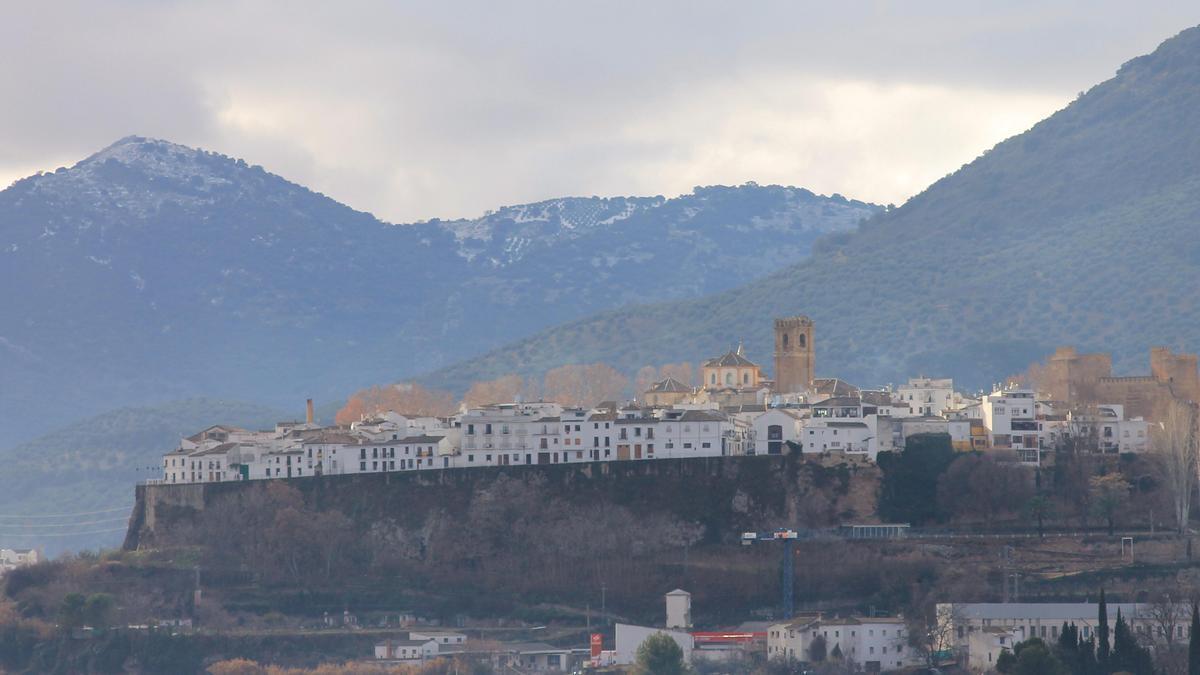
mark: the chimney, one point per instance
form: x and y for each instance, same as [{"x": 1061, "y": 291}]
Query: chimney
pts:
[{"x": 308, "y": 415}]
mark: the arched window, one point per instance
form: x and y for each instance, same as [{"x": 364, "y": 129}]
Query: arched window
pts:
[
  {"x": 785, "y": 341},
  {"x": 745, "y": 378},
  {"x": 803, "y": 340},
  {"x": 728, "y": 378},
  {"x": 712, "y": 379}
]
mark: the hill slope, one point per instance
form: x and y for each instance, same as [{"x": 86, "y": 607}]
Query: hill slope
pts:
[
  {"x": 91, "y": 467},
  {"x": 152, "y": 271},
  {"x": 1081, "y": 230}
]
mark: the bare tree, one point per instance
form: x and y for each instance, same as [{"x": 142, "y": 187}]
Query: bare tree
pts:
[
  {"x": 1167, "y": 615},
  {"x": 504, "y": 389},
  {"x": 935, "y": 637},
  {"x": 1175, "y": 442},
  {"x": 645, "y": 377},
  {"x": 584, "y": 385}
]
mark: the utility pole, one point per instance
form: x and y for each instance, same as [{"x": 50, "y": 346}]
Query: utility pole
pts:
[
  {"x": 788, "y": 539},
  {"x": 603, "y": 605}
]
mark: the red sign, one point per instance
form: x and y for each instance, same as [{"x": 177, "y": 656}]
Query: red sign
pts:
[{"x": 597, "y": 644}]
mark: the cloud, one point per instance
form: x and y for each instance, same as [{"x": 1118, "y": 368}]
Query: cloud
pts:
[{"x": 447, "y": 109}]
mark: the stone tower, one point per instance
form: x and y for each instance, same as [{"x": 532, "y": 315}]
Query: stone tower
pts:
[{"x": 795, "y": 355}]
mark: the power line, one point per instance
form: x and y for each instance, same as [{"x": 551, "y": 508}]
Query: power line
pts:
[
  {"x": 67, "y": 515},
  {"x": 59, "y": 534},
  {"x": 36, "y": 526}
]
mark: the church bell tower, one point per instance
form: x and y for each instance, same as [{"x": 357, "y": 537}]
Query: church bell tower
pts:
[{"x": 795, "y": 357}]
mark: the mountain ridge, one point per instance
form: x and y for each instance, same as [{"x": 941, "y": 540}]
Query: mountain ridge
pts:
[
  {"x": 1080, "y": 230},
  {"x": 154, "y": 271}
]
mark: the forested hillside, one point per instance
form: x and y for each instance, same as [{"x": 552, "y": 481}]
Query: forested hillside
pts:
[{"x": 1082, "y": 230}]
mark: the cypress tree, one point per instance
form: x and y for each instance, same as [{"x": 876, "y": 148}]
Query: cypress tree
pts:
[
  {"x": 1102, "y": 647},
  {"x": 1086, "y": 664},
  {"x": 1194, "y": 642}
]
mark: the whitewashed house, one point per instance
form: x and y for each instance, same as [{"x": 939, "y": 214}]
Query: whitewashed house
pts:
[
  {"x": 875, "y": 644},
  {"x": 777, "y": 427},
  {"x": 926, "y": 396}
]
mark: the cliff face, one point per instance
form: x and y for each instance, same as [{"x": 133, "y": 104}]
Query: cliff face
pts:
[{"x": 637, "y": 528}]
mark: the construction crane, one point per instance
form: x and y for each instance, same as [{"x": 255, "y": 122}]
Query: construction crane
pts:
[{"x": 788, "y": 539}]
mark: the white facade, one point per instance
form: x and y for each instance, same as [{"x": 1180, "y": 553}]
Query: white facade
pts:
[
  {"x": 406, "y": 651},
  {"x": 1010, "y": 416},
  {"x": 630, "y": 637},
  {"x": 874, "y": 643},
  {"x": 777, "y": 427},
  {"x": 11, "y": 558},
  {"x": 679, "y": 609},
  {"x": 1045, "y": 619},
  {"x": 984, "y": 647},
  {"x": 927, "y": 397}
]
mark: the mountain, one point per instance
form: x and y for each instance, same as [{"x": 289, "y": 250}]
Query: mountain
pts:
[
  {"x": 1082, "y": 230},
  {"x": 79, "y": 479},
  {"x": 151, "y": 271}
]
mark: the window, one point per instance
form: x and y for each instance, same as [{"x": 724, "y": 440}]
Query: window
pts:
[{"x": 362, "y": 466}]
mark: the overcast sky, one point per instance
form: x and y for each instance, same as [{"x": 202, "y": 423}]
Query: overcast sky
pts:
[{"x": 446, "y": 109}]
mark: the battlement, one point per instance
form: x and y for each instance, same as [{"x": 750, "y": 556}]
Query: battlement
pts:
[{"x": 793, "y": 322}]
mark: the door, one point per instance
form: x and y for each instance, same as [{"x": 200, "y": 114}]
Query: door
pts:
[{"x": 543, "y": 458}]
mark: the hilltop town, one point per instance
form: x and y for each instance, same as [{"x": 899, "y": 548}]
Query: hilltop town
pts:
[{"x": 1072, "y": 400}]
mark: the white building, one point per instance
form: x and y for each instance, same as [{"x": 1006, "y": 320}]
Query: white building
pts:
[
  {"x": 407, "y": 651},
  {"x": 1045, "y": 619},
  {"x": 630, "y": 637},
  {"x": 777, "y": 427},
  {"x": 873, "y": 643},
  {"x": 12, "y": 558},
  {"x": 985, "y": 646},
  {"x": 926, "y": 396},
  {"x": 679, "y": 609},
  {"x": 1010, "y": 416}
]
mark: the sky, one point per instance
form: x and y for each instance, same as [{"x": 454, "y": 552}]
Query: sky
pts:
[{"x": 418, "y": 110}]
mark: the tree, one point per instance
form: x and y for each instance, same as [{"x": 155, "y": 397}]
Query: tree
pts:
[
  {"x": 406, "y": 398},
  {"x": 1127, "y": 655},
  {"x": 1165, "y": 615},
  {"x": 816, "y": 650},
  {"x": 978, "y": 484},
  {"x": 660, "y": 655},
  {"x": 96, "y": 610},
  {"x": 1040, "y": 508},
  {"x": 1194, "y": 643},
  {"x": 1110, "y": 493},
  {"x": 70, "y": 612},
  {"x": 684, "y": 372},
  {"x": 1034, "y": 658},
  {"x": 500, "y": 390},
  {"x": 1102, "y": 646},
  {"x": 645, "y": 377},
  {"x": 1006, "y": 662},
  {"x": 584, "y": 385},
  {"x": 908, "y": 492},
  {"x": 1176, "y": 443}
]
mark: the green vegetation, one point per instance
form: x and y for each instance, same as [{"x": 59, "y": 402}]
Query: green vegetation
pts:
[
  {"x": 908, "y": 493},
  {"x": 660, "y": 655},
  {"x": 1081, "y": 231}
]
